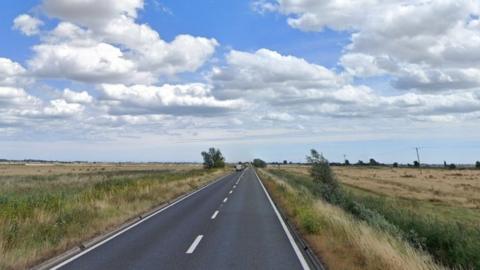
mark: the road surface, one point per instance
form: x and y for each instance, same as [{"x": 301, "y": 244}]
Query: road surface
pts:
[{"x": 230, "y": 224}]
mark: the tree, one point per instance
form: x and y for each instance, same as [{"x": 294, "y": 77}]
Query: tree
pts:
[
  {"x": 347, "y": 163},
  {"x": 323, "y": 177},
  {"x": 452, "y": 166},
  {"x": 285, "y": 162},
  {"x": 213, "y": 158},
  {"x": 373, "y": 162},
  {"x": 395, "y": 164},
  {"x": 360, "y": 163},
  {"x": 416, "y": 164},
  {"x": 259, "y": 163},
  {"x": 477, "y": 164}
]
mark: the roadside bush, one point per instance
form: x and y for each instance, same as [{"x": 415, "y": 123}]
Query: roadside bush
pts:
[
  {"x": 323, "y": 177},
  {"x": 477, "y": 164}
]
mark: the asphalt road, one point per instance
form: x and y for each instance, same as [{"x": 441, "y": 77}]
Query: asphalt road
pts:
[{"x": 230, "y": 224}]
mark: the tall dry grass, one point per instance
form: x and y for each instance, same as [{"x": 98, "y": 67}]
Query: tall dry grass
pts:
[
  {"x": 342, "y": 241},
  {"x": 43, "y": 215}
]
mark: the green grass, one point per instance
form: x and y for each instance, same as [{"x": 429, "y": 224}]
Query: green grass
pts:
[
  {"x": 42, "y": 215},
  {"x": 452, "y": 236},
  {"x": 342, "y": 241},
  {"x": 438, "y": 210}
]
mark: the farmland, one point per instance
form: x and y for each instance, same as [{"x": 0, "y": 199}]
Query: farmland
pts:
[
  {"x": 434, "y": 210},
  {"x": 46, "y": 209}
]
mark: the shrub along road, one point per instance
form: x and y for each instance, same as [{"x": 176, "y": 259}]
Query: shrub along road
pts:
[{"x": 230, "y": 224}]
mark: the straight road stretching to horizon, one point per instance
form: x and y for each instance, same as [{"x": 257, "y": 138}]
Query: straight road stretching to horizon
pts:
[{"x": 230, "y": 224}]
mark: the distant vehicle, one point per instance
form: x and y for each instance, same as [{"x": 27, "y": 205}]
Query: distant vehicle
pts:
[{"x": 238, "y": 167}]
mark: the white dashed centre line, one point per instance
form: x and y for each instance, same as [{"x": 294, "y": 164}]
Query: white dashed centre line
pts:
[
  {"x": 215, "y": 214},
  {"x": 194, "y": 245},
  {"x": 234, "y": 186},
  {"x": 230, "y": 192},
  {"x": 225, "y": 200}
]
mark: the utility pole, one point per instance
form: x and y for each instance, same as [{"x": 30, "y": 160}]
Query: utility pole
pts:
[{"x": 418, "y": 159}]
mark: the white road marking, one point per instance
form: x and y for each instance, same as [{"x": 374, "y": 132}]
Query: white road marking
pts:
[
  {"x": 225, "y": 200},
  {"x": 299, "y": 254},
  {"x": 215, "y": 214},
  {"x": 234, "y": 186},
  {"x": 194, "y": 245},
  {"x": 133, "y": 225},
  {"x": 230, "y": 192}
]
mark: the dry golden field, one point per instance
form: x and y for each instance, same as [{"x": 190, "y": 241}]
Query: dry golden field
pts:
[
  {"x": 437, "y": 209},
  {"x": 340, "y": 240},
  {"x": 452, "y": 187},
  {"x": 57, "y": 168}
]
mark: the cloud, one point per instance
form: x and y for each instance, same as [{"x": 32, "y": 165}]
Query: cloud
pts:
[
  {"x": 188, "y": 99},
  {"x": 91, "y": 13},
  {"x": 85, "y": 60},
  {"x": 23, "y": 113},
  {"x": 288, "y": 87},
  {"x": 131, "y": 78},
  {"x": 12, "y": 73},
  {"x": 108, "y": 33},
  {"x": 16, "y": 98},
  {"x": 278, "y": 117},
  {"x": 394, "y": 37},
  {"x": 27, "y": 24},
  {"x": 77, "y": 97},
  {"x": 263, "y": 6},
  {"x": 61, "y": 108},
  {"x": 275, "y": 74}
]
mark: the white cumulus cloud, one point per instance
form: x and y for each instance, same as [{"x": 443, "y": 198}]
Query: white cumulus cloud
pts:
[
  {"x": 440, "y": 40},
  {"x": 107, "y": 33},
  {"x": 27, "y": 24}
]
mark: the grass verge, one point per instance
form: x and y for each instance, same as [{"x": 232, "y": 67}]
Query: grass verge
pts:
[
  {"x": 41, "y": 216},
  {"x": 452, "y": 242},
  {"x": 340, "y": 239}
]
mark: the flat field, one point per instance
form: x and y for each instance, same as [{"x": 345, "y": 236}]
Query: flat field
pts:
[
  {"x": 79, "y": 168},
  {"x": 436, "y": 210},
  {"x": 455, "y": 187},
  {"x": 46, "y": 209}
]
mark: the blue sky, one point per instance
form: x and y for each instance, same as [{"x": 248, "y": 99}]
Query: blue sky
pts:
[{"x": 160, "y": 80}]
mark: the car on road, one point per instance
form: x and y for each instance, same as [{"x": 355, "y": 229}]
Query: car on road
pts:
[{"x": 238, "y": 167}]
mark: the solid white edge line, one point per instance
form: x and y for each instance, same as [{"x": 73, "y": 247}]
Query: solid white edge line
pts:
[
  {"x": 133, "y": 225},
  {"x": 194, "y": 245},
  {"x": 299, "y": 254},
  {"x": 215, "y": 214}
]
